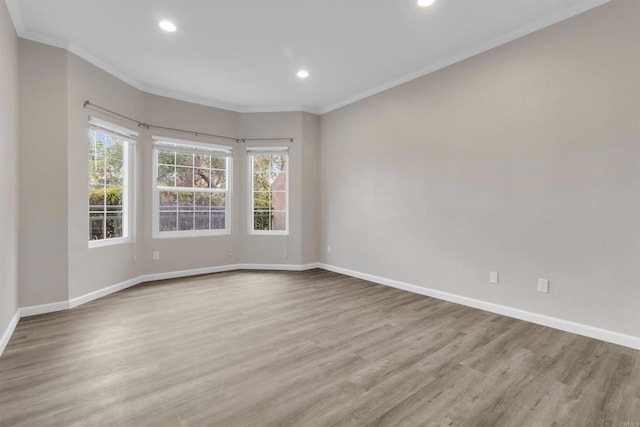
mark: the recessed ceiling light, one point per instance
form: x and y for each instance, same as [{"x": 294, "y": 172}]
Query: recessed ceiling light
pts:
[
  {"x": 425, "y": 3},
  {"x": 303, "y": 74},
  {"x": 167, "y": 26}
]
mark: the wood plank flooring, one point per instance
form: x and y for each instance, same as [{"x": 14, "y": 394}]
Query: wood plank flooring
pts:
[{"x": 308, "y": 349}]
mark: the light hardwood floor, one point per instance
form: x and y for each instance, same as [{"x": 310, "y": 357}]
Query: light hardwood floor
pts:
[{"x": 305, "y": 348}]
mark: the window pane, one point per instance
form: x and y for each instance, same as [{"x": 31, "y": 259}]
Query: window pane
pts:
[
  {"x": 278, "y": 181},
  {"x": 217, "y": 220},
  {"x": 114, "y": 196},
  {"x": 168, "y": 199},
  {"x": 278, "y": 163},
  {"x": 260, "y": 163},
  {"x": 201, "y": 178},
  {"x": 166, "y": 157},
  {"x": 168, "y": 221},
  {"x": 219, "y": 179},
  {"x": 262, "y": 199},
  {"x": 114, "y": 149},
  {"x": 218, "y": 162},
  {"x": 166, "y": 176},
  {"x": 94, "y": 144},
  {"x": 279, "y": 200},
  {"x": 96, "y": 224},
  {"x": 185, "y": 220},
  {"x": 114, "y": 225},
  {"x": 114, "y": 172},
  {"x": 202, "y": 201},
  {"x": 202, "y": 220},
  {"x": 184, "y": 159},
  {"x": 96, "y": 197},
  {"x": 261, "y": 182},
  {"x": 185, "y": 199},
  {"x": 278, "y": 220},
  {"x": 202, "y": 161},
  {"x": 184, "y": 177},
  {"x": 218, "y": 201},
  {"x": 261, "y": 220},
  {"x": 96, "y": 169}
]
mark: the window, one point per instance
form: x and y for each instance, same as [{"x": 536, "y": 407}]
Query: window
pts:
[
  {"x": 191, "y": 188},
  {"x": 269, "y": 190},
  {"x": 109, "y": 182}
]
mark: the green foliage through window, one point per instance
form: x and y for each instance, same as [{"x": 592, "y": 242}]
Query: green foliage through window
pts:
[
  {"x": 107, "y": 181},
  {"x": 269, "y": 191}
]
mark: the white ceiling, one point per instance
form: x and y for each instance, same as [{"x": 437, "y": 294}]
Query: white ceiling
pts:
[{"x": 243, "y": 55}]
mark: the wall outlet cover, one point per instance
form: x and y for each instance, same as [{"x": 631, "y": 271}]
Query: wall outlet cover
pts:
[
  {"x": 493, "y": 277},
  {"x": 543, "y": 286}
]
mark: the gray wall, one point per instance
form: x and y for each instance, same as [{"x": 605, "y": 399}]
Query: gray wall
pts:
[
  {"x": 273, "y": 249},
  {"x": 43, "y": 259},
  {"x": 523, "y": 160},
  {"x": 56, "y": 262},
  {"x": 9, "y": 169},
  {"x": 96, "y": 268},
  {"x": 311, "y": 207}
]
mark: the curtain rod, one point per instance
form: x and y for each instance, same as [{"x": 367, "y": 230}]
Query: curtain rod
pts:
[{"x": 88, "y": 104}]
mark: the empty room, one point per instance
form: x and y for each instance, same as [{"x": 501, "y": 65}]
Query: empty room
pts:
[{"x": 320, "y": 213}]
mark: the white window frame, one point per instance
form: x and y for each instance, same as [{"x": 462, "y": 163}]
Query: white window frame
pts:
[
  {"x": 251, "y": 151},
  {"x": 159, "y": 141},
  {"x": 129, "y": 138}
]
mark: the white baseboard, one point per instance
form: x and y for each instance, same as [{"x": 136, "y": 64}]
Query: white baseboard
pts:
[
  {"x": 540, "y": 319},
  {"x": 82, "y": 299},
  {"x": 279, "y": 267},
  {"x": 6, "y": 335},
  {"x": 223, "y": 268},
  {"x": 564, "y": 325},
  {"x": 34, "y": 310}
]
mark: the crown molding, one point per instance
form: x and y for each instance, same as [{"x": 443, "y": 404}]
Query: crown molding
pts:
[
  {"x": 16, "y": 16},
  {"x": 521, "y": 32},
  {"x": 18, "y": 22},
  {"x": 21, "y": 30},
  {"x": 215, "y": 104},
  {"x": 105, "y": 67}
]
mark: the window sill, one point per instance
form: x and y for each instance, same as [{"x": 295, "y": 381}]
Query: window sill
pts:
[
  {"x": 189, "y": 234},
  {"x": 269, "y": 233},
  {"x": 109, "y": 242}
]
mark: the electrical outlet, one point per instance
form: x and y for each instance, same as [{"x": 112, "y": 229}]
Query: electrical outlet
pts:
[
  {"x": 493, "y": 277},
  {"x": 156, "y": 255},
  {"x": 543, "y": 286},
  {"x": 286, "y": 256},
  {"x": 328, "y": 249}
]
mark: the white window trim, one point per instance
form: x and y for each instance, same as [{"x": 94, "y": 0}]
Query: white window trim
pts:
[
  {"x": 110, "y": 242},
  {"x": 178, "y": 234},
  {"x": 129, "y": 138},
  {"x": 266, "y": 150}
]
